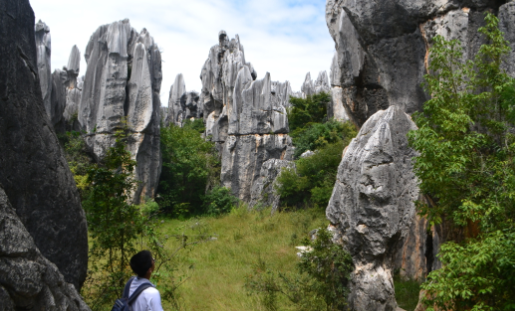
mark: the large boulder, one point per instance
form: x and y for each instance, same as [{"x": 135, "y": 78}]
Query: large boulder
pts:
[
  {"x": 372, "y": 206},
  {"x": 33, "y": 171},
  {"x": 121, "y": 88},
  {"x": 29, "y": 281}
]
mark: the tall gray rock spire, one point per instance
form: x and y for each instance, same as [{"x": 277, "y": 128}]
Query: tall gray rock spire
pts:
[
  {"x": 44, "y": 51},
  {"x": 244, "y": 116},
  {"x": 73, "y": 91},
  {"x": 121, "y": 87}
]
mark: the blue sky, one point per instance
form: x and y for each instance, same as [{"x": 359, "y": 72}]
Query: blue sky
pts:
[{"x": 284, "y": 37}]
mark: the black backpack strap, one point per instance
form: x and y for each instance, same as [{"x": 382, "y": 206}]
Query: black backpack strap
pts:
[
  {"x": 138, "y": 291},
  {"x": 127, "y": 287}
]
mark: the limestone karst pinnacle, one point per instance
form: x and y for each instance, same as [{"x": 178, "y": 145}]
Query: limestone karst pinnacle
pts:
[
  {"x": 245, "y": 116},
  {"x": 121, "y": 88}
]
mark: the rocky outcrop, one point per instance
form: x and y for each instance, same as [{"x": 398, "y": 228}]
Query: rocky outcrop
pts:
[
  {"x": 244, "y": 116},
  {"x": 33, "y": 172},
  {"x": 182, "y": 105},
  {"x": 73, "y": 91},
  {"x": 263, "y": 190},
  {"x": 121, "y": 88},
  {"x": 372, "y": 205},
  {"x": 29, "y": 281},
  {"x": 382, "y": 48},
  {"x": 44, "y": 51}
]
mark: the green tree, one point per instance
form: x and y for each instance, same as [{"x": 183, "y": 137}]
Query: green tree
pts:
[
  {"x": 467, "y": 147},
  {"x": 312, "y": 109},
  {"x": 113, "y": 223},
  {"x": 190, "y": 168}
]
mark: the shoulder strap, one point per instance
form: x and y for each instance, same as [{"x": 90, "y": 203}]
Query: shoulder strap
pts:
[
  {"x": 127, "y": 287},
  {"x": 138, "y": 291}
]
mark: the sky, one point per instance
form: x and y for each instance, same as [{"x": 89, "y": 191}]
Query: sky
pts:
[{"x": 284, "y": 37}]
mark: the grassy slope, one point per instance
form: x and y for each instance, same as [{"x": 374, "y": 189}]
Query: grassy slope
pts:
[
  {"x": 219, "y": 267},
  {"x": 216, "y": 270}
]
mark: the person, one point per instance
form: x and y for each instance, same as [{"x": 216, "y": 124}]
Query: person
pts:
[{"x": 143, "y": 265}]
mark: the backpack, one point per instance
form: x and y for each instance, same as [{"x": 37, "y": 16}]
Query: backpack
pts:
[{"x": 124, "y": 303}]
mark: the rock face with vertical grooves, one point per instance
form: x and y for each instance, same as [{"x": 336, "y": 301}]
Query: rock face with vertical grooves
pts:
[
  {"x": 244, "y": 116},
  {"x": 121, "y": 87},
  {"x": 33, "y": 172},
  {"x": 182, "y": 105},
  {"x": 44, "y": 51},
  {"x": 507, "y": 25},
  {"x": 73, "y": 90},
  {"x": 372, "y": 205}
]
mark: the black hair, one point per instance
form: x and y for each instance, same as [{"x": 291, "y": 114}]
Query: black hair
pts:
[{"x": 141, "y": 262}]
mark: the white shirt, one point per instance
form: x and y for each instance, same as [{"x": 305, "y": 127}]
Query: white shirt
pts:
[{"x": 148, "y": 300}]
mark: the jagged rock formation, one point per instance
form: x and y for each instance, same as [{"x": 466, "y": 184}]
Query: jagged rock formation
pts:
[
  {"x": 263, "y": 189},
  {"x": 182, "y": 105},
  {"x": 36, "y": 179},
  {"x": 28, "y": 280},
  {"x": 73, "y": 90},
  {"x": 44, "y": 51},
  {"x": 122, "y": 84},
  {"x": 244, "y": 116},
  {"x": 372, "y": 205}
]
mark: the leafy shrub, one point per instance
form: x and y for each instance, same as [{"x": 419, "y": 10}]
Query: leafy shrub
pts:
[
  {"x": 314, "y": 177},
  {"x": 190, "y": 166},
  {"x": 321, "y": 281},
  {"x": 312, "y": 109},
  {"x": 219, "y": 201},
  {"x": 467, "y": 151},
  {"x": 78, "y": 159},
  {"x": 317, "y": 135}
]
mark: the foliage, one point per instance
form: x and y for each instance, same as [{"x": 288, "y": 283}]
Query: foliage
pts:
[
  {"x": 78, "y": 160},
  {"x": 113, "y": 223},
  {"x": 466, "y": 162},
  {"x": 219, "y": 201},
  {"x": 313, "y": 179},
  {"x": 312, "y": 109},
  {"x": 197, "y": 125},
  {"x": 406, "y": 293},
  {"x": 317, "y": 135},
  {"x": 190, "y": 167},
  {"x": 320, "y": 282}
]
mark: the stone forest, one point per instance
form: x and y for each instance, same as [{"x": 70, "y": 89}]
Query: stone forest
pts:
[{"x": 386, "y": 184}]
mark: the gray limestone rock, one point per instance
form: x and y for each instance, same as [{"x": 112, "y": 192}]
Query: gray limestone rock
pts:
[
  {"x": 28, "y": 280},
  {"x": 73, "y": 91},
  {"x": 33, "y": 170},
  {"x": 263, "y": 190},
  {"x": 243, "y": 157},
  {"x": 44, "y": 51},
  {"x": 308, "y": 87},
  {"x": 175, "y": 111},
  {"x": 372, "y": 205},
  {"x": 507, "y": 25},
  {"x": 383, "y": 48},
  {"x": 122, "y": 83}
]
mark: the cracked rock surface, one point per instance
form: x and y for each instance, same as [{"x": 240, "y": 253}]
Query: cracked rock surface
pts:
[{"x": 38, "y": 184}]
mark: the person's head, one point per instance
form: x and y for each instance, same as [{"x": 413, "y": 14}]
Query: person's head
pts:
[{"x": 142, "y": 264}]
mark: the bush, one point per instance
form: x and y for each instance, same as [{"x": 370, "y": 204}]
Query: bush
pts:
[
  {"x": 467, "y": 150},
  {"x": 78, "y": 159},
  {"x": 313, "y": 180},
  {"x": 190, "y": 167},
  {"x": 321, "y": 281},
  {"x": 219, "y": 201},
  {"x": 312, "y": 109},
  {"x": 317, "y": 135}
]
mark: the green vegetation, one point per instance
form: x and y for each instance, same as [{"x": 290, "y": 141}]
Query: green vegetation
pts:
[
  {"x": 466, "y": 163},
  {"x": 406, "y": 293},
  {"x": 190, "y": 168},
  {"x": 320, "y": 282},
  {"x": 312, "y": 182},
  {"x": 78, "y": 160}
]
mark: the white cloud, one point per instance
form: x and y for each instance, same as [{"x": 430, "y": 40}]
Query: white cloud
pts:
[{"x": 286, "y": 38}]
